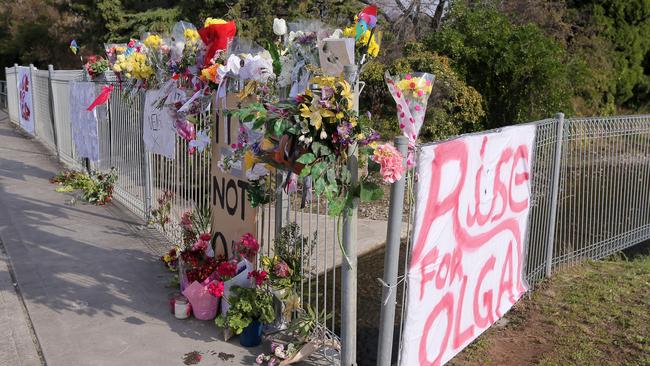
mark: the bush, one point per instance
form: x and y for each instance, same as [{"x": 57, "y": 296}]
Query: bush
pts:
[
  {"x": 521, "y": 73},
  {"x": 453, "y": 108}
]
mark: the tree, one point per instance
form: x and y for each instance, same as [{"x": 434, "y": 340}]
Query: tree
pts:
[{"x": 521, "y": 73}]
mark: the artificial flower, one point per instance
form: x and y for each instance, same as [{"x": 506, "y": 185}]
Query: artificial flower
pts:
[{"x": 390, "y": 161}]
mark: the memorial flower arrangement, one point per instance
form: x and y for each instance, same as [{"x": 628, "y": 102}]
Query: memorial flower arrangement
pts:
[
  {"x": 309, "y": 135},
  {"x": 96, "y": 66},
  {"x": 96, "y": 187}
]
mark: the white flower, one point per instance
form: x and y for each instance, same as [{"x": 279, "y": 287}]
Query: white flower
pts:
[
  {"x": 232, "y": 66},
  {"x": 279, "y": 27},
  {"x": 323, "y": 134},
  {"x": 258, "y": 68},
  {"x": 337, "y": 34},
  {"x": 202, "y": 140}
]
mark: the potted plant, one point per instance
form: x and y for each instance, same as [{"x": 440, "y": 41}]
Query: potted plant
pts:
[{"x": 250, "y": 309}]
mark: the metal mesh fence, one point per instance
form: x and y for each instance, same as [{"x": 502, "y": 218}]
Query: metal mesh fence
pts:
[{"x": 603, "y": 204}]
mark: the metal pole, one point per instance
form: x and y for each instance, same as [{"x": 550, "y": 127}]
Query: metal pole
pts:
[
  {"x": 391, "y": 263},
  {"x": 146, "y": 164},
  {"x": 50, "y": 70},
  {"x": 279, "y": 197},
  {"x": 17, "y": 95},
  {"x": 349, "y": 266},
  {"x": 555, "y": 191}
]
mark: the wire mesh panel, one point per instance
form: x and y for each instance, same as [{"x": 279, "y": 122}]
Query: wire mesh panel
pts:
[
  {"x": 42, "y": 109},
  {"x": 3, "y": 94},
  {"x": 603, "y": 202},
  {"x": 540, "y": 199},
  {"x": 187, "y": 178},
  {"x": 12, "y": 94},
  {"x": 61, "y": 113},
  {"x": 126, "y": 151}
]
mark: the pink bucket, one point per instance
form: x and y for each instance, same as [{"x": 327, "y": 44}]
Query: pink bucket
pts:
[{"x": 204, "y": 305}]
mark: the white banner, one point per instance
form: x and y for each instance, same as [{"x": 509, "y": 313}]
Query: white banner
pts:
[
  {"x": 25, "y": 103},
  {"x": 84, "y": 122},
  {"x": 159, "y": 134},
  {"x": 466, "y": 268}
]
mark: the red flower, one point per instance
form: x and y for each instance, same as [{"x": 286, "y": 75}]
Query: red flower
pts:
[
  {"x": 259, "y": 276},
  {"x": 247, "y": 247},
  {"x": 227, "y": 270},
  {"x": 205, "y": 237},
  {"x": 216, "y": 289},
  {"x": 216, "y": 38}
]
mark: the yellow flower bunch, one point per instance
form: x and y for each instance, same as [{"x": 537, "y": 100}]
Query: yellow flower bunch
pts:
[
  {"x": 415, "y": 86},
  {"x": 211, "y": 21},
  {"x": 209, "y": 73},
  {"x": 373, "y": 46},
  {"x": 152, "y": 41},
  {"x": 133, "y": 66},
  {"x": 313, "y": 110},
  {"x": 191, "y": 35}
]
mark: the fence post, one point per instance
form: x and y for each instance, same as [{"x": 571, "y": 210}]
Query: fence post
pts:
[
  {"x": 555, "y": 191},
  {"x": 17, "y": 96},
  {"x": 146, "y": 163},
  {"x": 349, "y": 266},
  {"x": 50, "y": 72},
  {"x": 391, "y": 263},
  {"x": 31, "y": 91}
]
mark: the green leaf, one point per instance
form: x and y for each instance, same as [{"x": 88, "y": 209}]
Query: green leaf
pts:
[
  {"x": 305, "y": 171},
  {"x": 318, "y": 169},
  {"x": 336, "y": 207},
  {"x": 319, "y": 185},
  {"x": 320, "y": 149},
  {"x": 306, "y": 159},
  {"x": 370, "y": 192},
  {"x": 275, "y": 55}
]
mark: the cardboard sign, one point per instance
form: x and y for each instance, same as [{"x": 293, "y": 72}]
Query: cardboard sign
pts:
[
  {"x": 466, "y": 269},
  {"x": 232, "y": 214}
]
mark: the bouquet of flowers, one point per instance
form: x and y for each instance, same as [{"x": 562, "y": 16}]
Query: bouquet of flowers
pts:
[
  {"x": 96, "y": 66},
  {"x": 411, "y": 93},
  {"x": 308, "y": 135}
]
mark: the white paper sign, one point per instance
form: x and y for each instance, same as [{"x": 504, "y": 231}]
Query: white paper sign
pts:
[
  {"x": 84, "y": 122},
  {"x": 466, "y": 269},
  {"x": 25, "y": 104},
  {"x": 159, "y": 134},
  {"x": 334, "y": 53}
]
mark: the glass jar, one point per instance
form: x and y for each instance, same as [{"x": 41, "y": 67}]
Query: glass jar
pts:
[{"x": 182, "y": 308}]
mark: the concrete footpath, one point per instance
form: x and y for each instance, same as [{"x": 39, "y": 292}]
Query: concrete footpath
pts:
[{"x": 93, "y": 290}]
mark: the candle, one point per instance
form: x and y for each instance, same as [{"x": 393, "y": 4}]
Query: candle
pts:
[{"x": 182, "y": 308}]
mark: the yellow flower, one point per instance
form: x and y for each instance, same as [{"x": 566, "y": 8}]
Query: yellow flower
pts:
[
  {"x": 349, "y": 32},
  {"x": 267, "y": 144},
  {"x": 249, "y": 160},
  {"x": 373, "y": 144},
  {"x": 211, "y": 21},
  {"x": 191, "y": 35},
  {"x": 373, "y": 47},
  {"x": 313, "y": 114},
  {"x": 152, "y": 41}
]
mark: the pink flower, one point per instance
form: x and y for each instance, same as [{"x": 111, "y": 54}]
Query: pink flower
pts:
[
  {"x": 200, "y": 245},
  {"x": 186, "y": 220},
  {"x": 247, "y": 247},
  {"x": 281, "y": 269},
  {"x": 390, "y": 162},
  {"x": 205, "y": 237},
  {"x": 258, "y": 276},
  {"x": 216, "y": 289}
]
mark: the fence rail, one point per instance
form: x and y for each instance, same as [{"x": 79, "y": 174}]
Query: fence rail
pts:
[{"x": 589, "y": 195}]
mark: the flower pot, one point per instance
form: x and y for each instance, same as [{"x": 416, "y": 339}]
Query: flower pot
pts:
[{"x": 252, "y": 335}]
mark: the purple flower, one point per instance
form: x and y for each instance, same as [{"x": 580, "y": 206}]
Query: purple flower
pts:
[
  {"x": 260, "y": 359},
  {"x": 273, "y": 361}
]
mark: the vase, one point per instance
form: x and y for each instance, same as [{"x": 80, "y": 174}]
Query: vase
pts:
[
  {"x": 252, "y": 335},
  {"x": 281, "y": 321}
]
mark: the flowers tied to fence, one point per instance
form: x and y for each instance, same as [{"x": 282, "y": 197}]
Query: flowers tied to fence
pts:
[{"x": 311, "y": 135}]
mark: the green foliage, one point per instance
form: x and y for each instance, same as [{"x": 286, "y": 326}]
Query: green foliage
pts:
[
  {"x": 97, "y": 187},
  {"x": 521, "y": 73},
  {"x": 454, "y": 107},
  {"x": 247, "y": 305}
]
